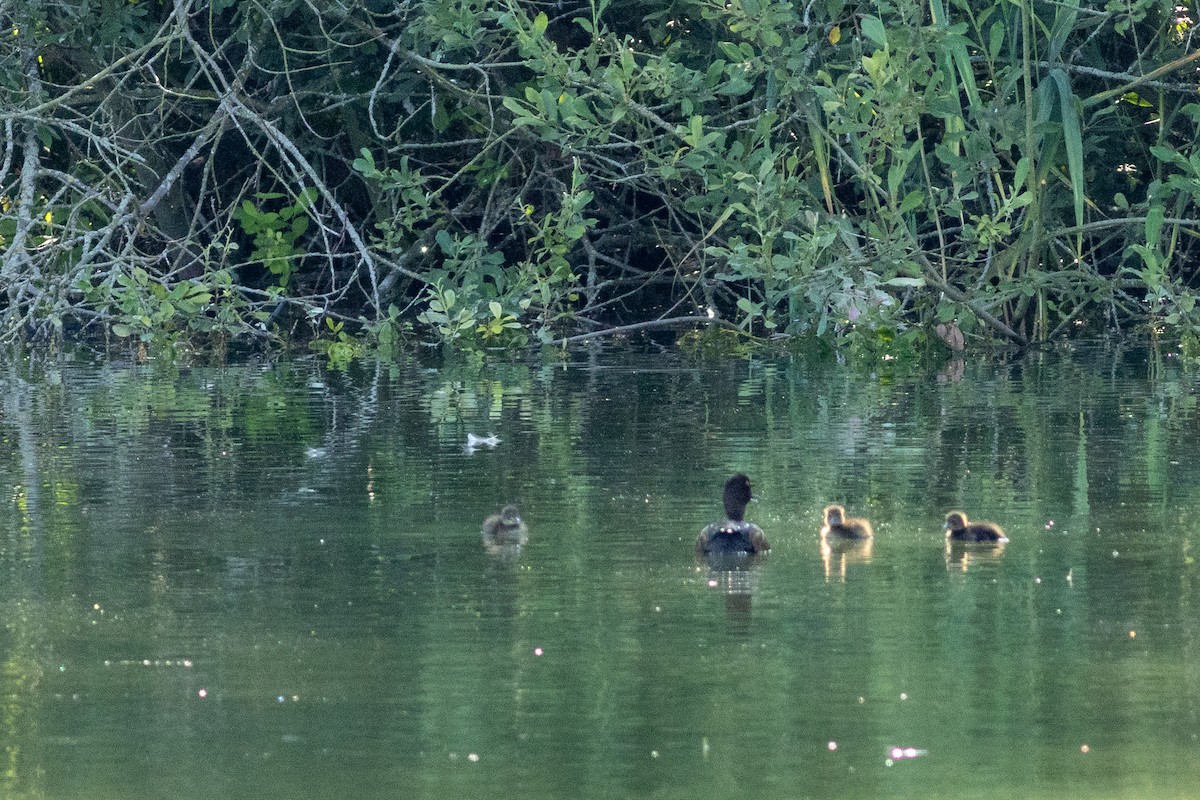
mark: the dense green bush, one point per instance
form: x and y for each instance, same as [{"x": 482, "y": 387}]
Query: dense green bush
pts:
[{"x": 496, "y": 174}]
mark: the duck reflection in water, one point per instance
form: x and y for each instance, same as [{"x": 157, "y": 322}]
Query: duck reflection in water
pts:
[
  {"x": 844, "y": 540},
  {"x": 970, "y": 543},
  {"x": 732, "y": 551},
  {"x": 964, "y": 555},
  {"x": 505, "y": 533}
]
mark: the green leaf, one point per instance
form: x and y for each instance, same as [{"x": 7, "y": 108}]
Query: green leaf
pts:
[
  {"x": 1167, "y": 154},
  {"x": 441, "y": 119},
  {"x": 874, "y": 66},
  {"x": 365, "y": 164},
  {"x": 912, "y": 201},
  {"x": 514, "y": 105},
  {"x": 1072, "y": 137},
  {"x": 550, "y": 105},
  {"x": 1154, "y": 224},
  {"x": 995, "y": 40},
  {"x": 1021, "y": 173},
  {"x": 1019, "y": 201},
  {"x": 730, "y": 50},
  {"x": 873, "y": 29},
  {"x": 540, "y": 22},
  {"x": 895, "y": 174}
]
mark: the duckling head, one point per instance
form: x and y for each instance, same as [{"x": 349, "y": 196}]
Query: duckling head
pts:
[{"x": 834, "y": 515}]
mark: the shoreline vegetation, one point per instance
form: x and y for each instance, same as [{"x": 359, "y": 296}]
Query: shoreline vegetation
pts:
[{"x": 896, "y": 180}]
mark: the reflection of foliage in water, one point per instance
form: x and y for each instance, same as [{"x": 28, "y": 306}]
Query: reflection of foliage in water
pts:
[{"x": 210, "y": 488}]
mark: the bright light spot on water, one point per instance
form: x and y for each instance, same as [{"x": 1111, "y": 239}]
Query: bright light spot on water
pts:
[
  {"x": 281, "y": 699},
  {"x": 712, "y": 583},
  {"x": 900, "y": 753},
  {"x": 472, "y": 757},
  {"x": 537, "y": 651},
  {"x": 904, "y": 695},
  {"x": 654, "y": 754},
  {"x": 1037, "y": 580},
  {"x": 202, "y": 693},
  {"x": 1085, "y": 749},
  {"x": 1115, "y": 554},
  {"x": 1133, "y": 634},
  {"x": 832, "y": 746}
]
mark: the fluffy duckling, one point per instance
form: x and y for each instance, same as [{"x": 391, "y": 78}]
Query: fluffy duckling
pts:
[
  {"x": 960, "y": 529},
  {"x": 505, "y": 528},
  {"x": 838, "y": 525},
  {"x": 734, "y": 535}
]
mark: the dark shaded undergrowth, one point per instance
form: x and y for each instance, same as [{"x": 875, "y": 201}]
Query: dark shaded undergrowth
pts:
[{"x": 892, "y": 178}]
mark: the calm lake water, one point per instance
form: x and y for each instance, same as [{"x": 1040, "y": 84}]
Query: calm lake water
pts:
[{"x": 267, "y": 581}]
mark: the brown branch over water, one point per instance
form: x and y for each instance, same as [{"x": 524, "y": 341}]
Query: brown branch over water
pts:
[{"x": 670, "y": 322}]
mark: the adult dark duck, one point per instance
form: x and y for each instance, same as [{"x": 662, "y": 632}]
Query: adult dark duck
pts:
[{"x": 734, "y": 535}]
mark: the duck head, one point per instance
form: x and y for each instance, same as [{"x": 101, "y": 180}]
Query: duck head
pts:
[{"x": 737, "y": 496}]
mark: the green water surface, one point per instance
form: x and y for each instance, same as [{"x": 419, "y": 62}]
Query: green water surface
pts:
[{"x": 267, "y": 581}]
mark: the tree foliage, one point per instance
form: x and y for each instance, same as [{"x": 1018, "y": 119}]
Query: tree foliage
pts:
[{"x": 501, "y": 173}]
